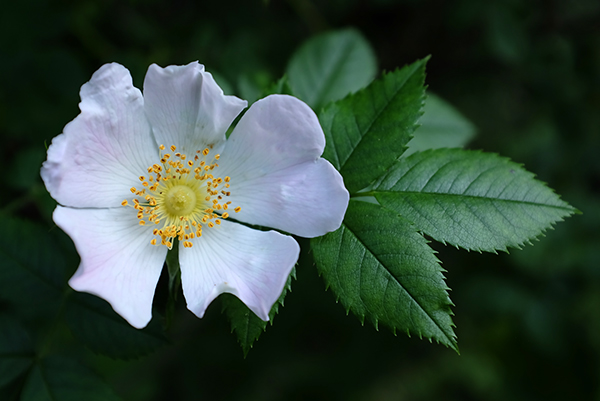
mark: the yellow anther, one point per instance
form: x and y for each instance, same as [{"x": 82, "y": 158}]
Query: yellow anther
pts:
[
  {"x": 237, "y": 209},
  {"x": 179, "y": 195},
  {"x": 162, "y": 147},
  {"x": 132, "y": 189}
]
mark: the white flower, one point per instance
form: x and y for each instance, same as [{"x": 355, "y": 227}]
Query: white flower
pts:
[{"x": 133, "y": 172}]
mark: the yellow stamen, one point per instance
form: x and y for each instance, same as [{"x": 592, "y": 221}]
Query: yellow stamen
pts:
[{"x": 180, "y": 196}]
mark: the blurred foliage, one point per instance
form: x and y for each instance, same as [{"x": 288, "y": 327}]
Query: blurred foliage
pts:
[{"x": 527, "y": 74}]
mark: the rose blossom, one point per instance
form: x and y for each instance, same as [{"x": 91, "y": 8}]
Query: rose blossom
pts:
[{"x": 132, "y": 174}]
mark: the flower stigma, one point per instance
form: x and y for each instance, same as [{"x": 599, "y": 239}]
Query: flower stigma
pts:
[{"x": 180, "y": 196}]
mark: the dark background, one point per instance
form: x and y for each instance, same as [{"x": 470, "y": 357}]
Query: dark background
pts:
[{"x": 526, "y": 73}]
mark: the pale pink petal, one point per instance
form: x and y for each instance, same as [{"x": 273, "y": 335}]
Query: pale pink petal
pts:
[
  {"x": 104, "y": 150},
  {"x": 118, "y": 263},
  {"x": 187, "y": 108},
  {"x": 277, "y": 176},
  {"x": 250, "y": 264},
  {"x": 307, "y": 199}
]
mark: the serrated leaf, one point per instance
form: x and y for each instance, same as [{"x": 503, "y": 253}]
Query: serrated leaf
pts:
[
  {"x": 330, "y": 66},
  {"x": 62, "y": 379},
  {"x": 381, "y": 269},
  {"x": 441, "y": 126},
  {"x": 16, "y": 349},
  {"x": 246, "y": 325},
  {"x": 93, "y": 322},
  {"x": 367, "y": 131},
  {"x": 470, "y": 199}
]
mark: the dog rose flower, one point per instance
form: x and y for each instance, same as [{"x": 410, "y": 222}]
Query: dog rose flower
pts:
[{"x": 133, "y": 173}]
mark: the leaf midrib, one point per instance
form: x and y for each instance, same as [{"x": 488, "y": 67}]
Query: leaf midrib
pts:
[
  {"x": 375, "y": 193},
  {"x": 365, "y": 132},
  {"x": 450, "y": 338}
]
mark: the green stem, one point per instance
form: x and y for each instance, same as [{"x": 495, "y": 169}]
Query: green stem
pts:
[{"x": 174, "y": 280}]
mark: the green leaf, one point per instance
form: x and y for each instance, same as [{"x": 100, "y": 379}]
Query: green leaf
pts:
[
  {"x": 383, "y": 270},
  {"x": 62, "y": 379},
  {"x": 367, "y": 131},
  {"x": 330, "y": 66},
  {"x": 442, "y": 126},
  {"x": 32, "y": 281},
  {"x": 280, "y": 87},
  {"x": 470, "y": 199},
  {"x": 16, "y": 349},
  {"x": 93, "y": 322},
  {"x": 246, "y": 325}
]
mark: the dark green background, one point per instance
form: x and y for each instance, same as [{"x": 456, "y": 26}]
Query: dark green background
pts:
[{"x": 527, "y": 73}]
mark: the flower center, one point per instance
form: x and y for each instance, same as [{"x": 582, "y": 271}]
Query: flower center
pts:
[
  {"x": 183, "y": 195},
  {"x": 180, "y": 200}
]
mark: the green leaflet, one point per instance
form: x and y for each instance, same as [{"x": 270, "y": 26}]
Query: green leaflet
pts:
[
  {"x": 382, "y": 269},
  {"x": 42, "y": 272},
  {"x": 330, "y": 66},
  {"x": 93, "y": 322},
  {"x": 367, "y": 131},
  {"x": 16, "y": 349},
  {"x": 247, "y": 326},
  {"x": 62, "y": 379},
  {"x": 441, "y": 126},
  {"x": 470, "y": 199}
]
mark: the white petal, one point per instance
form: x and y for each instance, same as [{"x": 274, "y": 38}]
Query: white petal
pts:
[
  {"x": 104, "y": 150},
  {"x": 187, "y": 108},
  {"x": 277, "y": 176},
  {"x": 307, "y": 199},
  {"x": 118, "y": 263},
  {"x": 253, "y": 265}
]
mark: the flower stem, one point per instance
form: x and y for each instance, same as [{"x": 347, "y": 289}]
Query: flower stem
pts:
[{"x": 174, "y": 281}]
